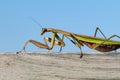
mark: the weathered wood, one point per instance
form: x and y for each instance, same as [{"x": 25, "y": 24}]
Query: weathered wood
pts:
[{"x": 40, "y": 66}]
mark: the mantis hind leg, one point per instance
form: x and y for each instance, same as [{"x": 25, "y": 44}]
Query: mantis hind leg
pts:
[
  {"x": 98, "y": 29},
  {"x": 106, "y": 40},
  {"x": 113, "y": 37}
]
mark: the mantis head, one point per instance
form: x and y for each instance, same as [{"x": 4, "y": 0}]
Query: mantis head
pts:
[{"x": 43, "y": 31}]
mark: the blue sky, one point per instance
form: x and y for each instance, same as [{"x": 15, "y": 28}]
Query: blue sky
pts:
[{"x": 78, "y": 16}]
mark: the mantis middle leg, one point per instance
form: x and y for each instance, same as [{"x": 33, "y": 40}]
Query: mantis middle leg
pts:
[
  {"x": 61, "y": 46},
  {"x": 106, "y": 40},
  {"x": 76, "y": 43}
]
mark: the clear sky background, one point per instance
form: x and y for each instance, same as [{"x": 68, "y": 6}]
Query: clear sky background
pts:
[{"x": 78, "y": 16}]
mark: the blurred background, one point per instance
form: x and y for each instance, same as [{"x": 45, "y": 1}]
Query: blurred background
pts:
[{"x": 77, "y": 16}]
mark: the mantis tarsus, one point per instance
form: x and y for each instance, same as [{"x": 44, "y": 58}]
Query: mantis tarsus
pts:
[{"x": 99, "y": 44}]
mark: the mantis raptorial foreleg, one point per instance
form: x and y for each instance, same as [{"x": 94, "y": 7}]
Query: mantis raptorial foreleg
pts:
[
  {"x": 40, "y": 45},
  {"x": 36, "y": 43},
  {"x": 45, "y": 45},
  {"x": 98, "y": 29},
  {"x": 59, "y": 43}
]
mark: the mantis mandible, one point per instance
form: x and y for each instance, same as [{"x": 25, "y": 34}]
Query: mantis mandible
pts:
[{"x": 93, "y": 42}]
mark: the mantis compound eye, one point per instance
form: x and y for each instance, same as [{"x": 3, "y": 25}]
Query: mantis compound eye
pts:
[{"x": 43, "y": 31}]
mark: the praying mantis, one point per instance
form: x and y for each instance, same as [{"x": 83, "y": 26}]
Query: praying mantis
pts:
[{"x": 100, "y": 44}]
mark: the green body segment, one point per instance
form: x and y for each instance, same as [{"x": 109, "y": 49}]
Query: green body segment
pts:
[
  {"x": 84, "y": 38},
  {"x": 96, "y": 40}
]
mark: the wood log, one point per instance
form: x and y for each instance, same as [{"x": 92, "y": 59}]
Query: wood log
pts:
[{"x": 59, "y": 66}]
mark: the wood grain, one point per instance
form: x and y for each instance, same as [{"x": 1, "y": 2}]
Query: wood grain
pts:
[{"x": 54, "y": 66}]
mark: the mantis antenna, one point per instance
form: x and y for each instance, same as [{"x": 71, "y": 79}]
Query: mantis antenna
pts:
[
  {"x": 42, "y": 27},
  {"x": 36, "y": 22}
]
